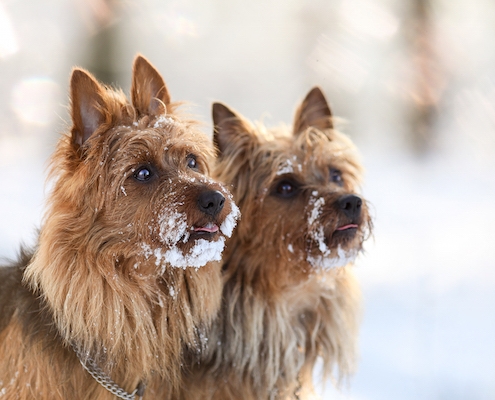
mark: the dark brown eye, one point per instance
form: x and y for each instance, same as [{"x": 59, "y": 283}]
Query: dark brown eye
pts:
[
  {"x": 336, "y": 176},
  {"x": 191, "y": 162},
  {"x": 143, "y": 174},
  {"x": 286, "y": 189}
]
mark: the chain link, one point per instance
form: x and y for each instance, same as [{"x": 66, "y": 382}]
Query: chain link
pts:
[{"x": 104, "y": 380}]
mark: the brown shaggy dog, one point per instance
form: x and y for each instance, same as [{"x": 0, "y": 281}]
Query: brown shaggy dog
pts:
[
  {"x": 125, "y": 273},
  {"x": 290, "y": 296}
]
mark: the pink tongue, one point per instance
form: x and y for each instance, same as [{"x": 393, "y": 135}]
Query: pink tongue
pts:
[
  {"x": 343, "y": 228},
  {"x": 211, "y": 229}
]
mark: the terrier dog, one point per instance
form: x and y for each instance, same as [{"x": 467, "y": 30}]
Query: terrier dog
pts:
[
  {"x": 289, "y": 295},
  {"x": 125, "y": 275}
]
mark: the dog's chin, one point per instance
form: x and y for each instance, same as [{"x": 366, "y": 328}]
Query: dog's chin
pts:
[
  {"x": 334, "y": 258},
  {"x": 194, "y": 253},
  {"x": 338, "y": 248},
  {"x": 194, "y": 236},
  {"x": 193, "y": 247},
  {"x": 346, "y": 239}
]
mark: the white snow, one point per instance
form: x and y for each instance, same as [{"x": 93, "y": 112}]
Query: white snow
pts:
[
  {"x": 228, "y": 225},
  {"x": 203, "y": 252},
  {"x": 173, "y": 226},
  {"x": 317, "y": 230},
  {"x": 147, "y": 252},
  {"x": 316, "y": 211},
  {"x": 163, "y": 121},
  {"x": 324, "y": 261},
  {"x": 318, "y": 235},
  {"x": 285, "y": 168}
]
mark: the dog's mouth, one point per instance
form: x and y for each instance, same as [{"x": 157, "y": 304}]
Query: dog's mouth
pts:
[
  {"x": 347, "y": 227},
  {"x": 343, "y": 235},
  {"x": 207, "y": 231}
]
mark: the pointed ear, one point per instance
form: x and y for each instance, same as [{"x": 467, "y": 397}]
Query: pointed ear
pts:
[
  {"x": 88, "y": 106},
  {"x": 148, "y": 91},
  {"x": 314, "y": 111},
  {"x": 230, "y": 129}
]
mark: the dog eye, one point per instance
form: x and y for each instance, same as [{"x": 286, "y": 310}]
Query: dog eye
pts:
[
  {"x": 143, "y": 174},
  {"x": 286, "y": 189},
  {"x": 191, "y": 162},
  {"x": 336, "y": 176}
]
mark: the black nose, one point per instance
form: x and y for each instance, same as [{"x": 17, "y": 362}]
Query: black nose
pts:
[
  {"x": 211, "y": 202},
  {"x": 350, "y": 205}
]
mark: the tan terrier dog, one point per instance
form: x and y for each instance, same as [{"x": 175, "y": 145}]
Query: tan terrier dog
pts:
[
  {"x": 125, "y": 274},
  {"x": 289, "y": 296}
]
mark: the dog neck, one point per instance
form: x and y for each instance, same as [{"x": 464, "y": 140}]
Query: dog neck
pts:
[{"x": 90, "y": 365}]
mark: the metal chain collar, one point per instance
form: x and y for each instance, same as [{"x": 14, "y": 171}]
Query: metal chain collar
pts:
[{"x": 104, "y": 380}]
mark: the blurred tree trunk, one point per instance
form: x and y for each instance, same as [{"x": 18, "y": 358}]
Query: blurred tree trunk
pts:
[
  {"x": 103, "y": 45},
  {"x": 102, "y": 55},
  {"x": 427, "y": 79}
]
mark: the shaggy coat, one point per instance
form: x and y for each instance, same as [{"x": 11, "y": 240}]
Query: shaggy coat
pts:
[
  {"x": 290, "y": 296},
  {"x": 111, "y": 275}
]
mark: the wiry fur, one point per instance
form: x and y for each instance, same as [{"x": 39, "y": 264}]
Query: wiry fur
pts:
[
  {"x": 282, "y": 307},
  {"x": 96, "y": 280}
]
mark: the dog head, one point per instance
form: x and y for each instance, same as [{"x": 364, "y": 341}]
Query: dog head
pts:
[
  {"x": 139, "y": 173},
  {"x": 298, "y": 189}
]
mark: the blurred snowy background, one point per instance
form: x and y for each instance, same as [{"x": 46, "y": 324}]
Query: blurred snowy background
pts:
[{"x": 414, "y": 79}]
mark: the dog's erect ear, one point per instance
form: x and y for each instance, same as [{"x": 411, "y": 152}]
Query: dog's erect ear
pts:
[
  {"x": 314, "y": 111},
  {"x": 88, "y": 106},
  {"x": 231, "y": 131},
  {"x": 148, "y": 91}
]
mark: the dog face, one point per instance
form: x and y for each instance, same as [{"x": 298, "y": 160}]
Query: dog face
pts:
[
  {"x": 142, "y": 172},
  {"x": 161, "y": 197},
  {"x": 298, "y": 191}
]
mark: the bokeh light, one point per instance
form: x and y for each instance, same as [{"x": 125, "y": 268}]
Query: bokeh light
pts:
[
  {"x": 8, "y": 40},
  {"x": 35, "y": 99}
]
